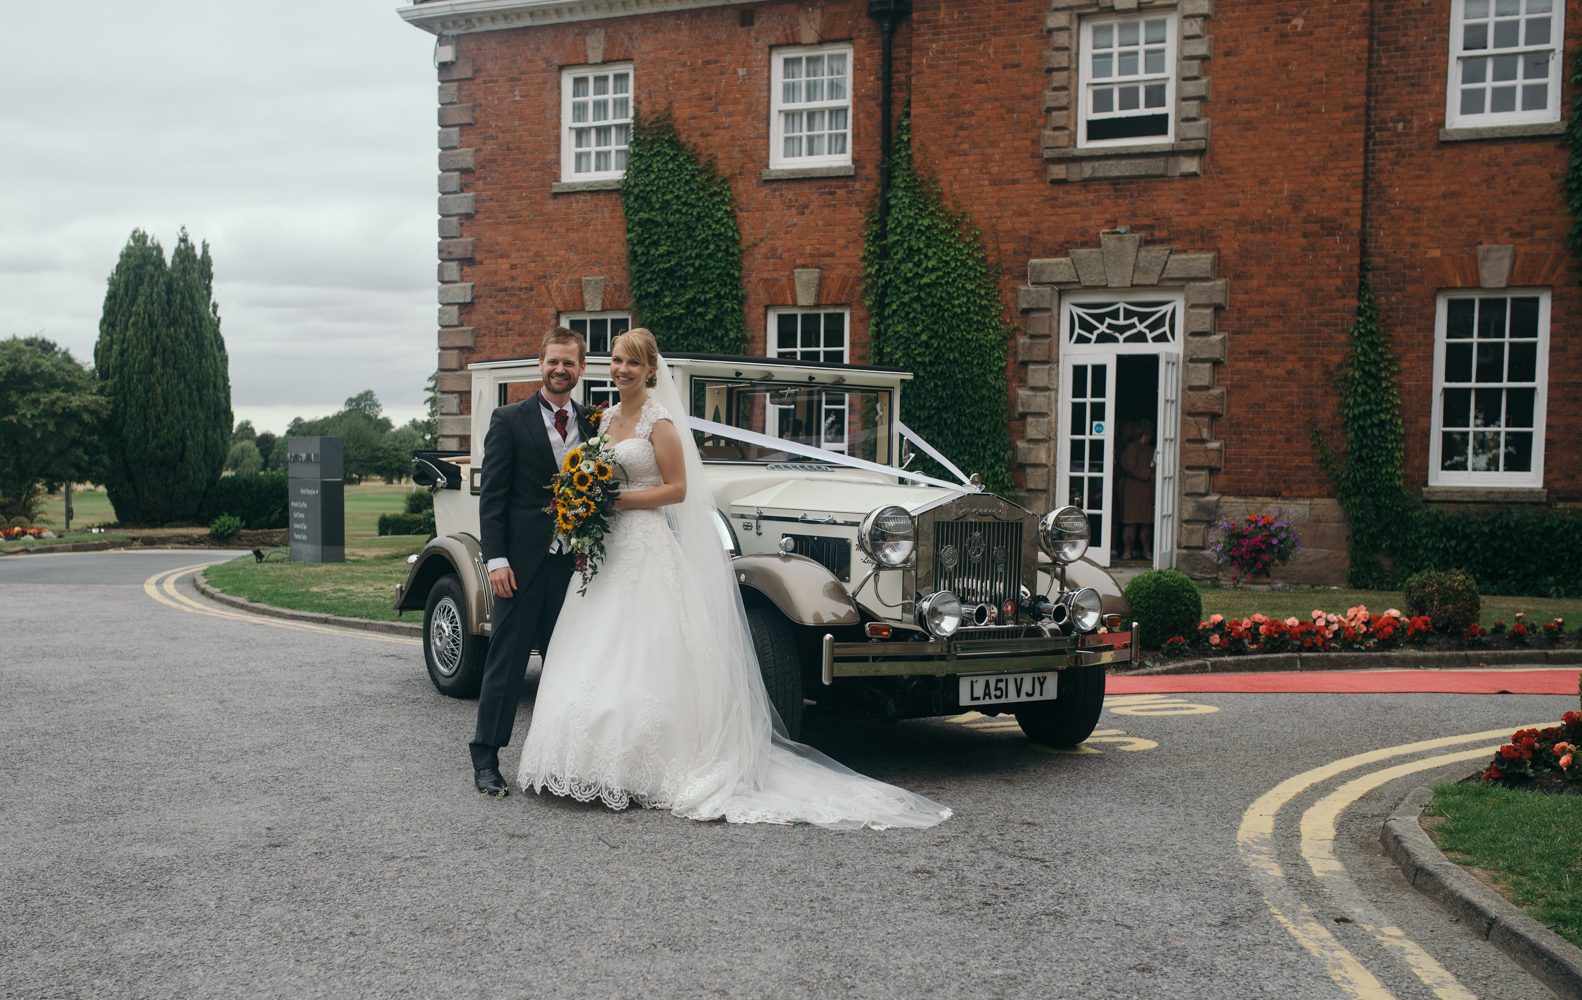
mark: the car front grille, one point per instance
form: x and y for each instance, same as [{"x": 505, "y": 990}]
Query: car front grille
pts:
[
  {"x": 834, "y": 554},
  {"x": 987, "y": 556}
]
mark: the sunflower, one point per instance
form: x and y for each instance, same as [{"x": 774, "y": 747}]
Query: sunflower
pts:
[
  {"x": 565, "y": 524},
  {"x": 581, "y": 480},
  {"x": 573, "y": 459},
  {"x": 604, "y": 472}
]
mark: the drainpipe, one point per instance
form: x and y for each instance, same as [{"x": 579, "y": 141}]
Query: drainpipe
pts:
[{"x": 888, "y": 13}]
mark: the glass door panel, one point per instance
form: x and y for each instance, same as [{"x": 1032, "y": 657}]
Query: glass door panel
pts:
[
  {"x": 1167, "y": 458},
  {"x": 1085, "y": 465}
]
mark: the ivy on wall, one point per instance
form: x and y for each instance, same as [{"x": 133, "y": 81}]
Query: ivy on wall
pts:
[
  {"x": 934, "y": 306},
  {"x": 1572, "y": 183},
  {"x": 683, "y": 246},
  {"x": 1392, "y": 533}
]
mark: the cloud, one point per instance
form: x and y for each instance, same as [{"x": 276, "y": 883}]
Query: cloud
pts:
[{"x": 298, "y": 141}]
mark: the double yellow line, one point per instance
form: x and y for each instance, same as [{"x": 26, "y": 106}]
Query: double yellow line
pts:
[
  {"x": 1255, "y": 840},
  {"x": 162, "y": 588}
]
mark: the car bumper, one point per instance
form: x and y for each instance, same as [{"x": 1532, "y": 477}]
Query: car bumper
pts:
[{"x": 942, "y": 657}]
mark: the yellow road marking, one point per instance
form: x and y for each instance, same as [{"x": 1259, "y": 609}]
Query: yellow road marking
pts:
[
  {"x": 1318, "y": 847},
  {"x": 1255, "y": 841},
  {"x": 166, "y": 580},
  {"x": 1162, "y": 708}
]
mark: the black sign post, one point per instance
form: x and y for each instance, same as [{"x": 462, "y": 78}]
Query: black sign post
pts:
[{"x": 318, "y": 499}]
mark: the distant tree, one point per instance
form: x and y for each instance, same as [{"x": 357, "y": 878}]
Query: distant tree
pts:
[
  {"x": 266, "y": 443},
  {"x": 363, "y": 433},
  {"x": 244, "y": 457},
  {"x": 244, "y": 432},
  {"x": 429, "y": 428},
  {"x": 50, "y": 409},
  {"x": 163, "y": 368}
]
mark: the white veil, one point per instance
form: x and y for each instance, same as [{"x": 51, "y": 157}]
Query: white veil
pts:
[{"x": 766, "y": 776}]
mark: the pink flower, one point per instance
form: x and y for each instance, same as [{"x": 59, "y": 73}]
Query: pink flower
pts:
[
  {"x": 1291, "y": 623},
  {"x": 1260, "y": 619},
  {"x": 1393, "y": 613},
  {"x": 1213, "y": 640},
  {"x": 1562, "y": 747},
  {"x": 1565, "y": 761},
  {"x": 1318, "y": 615},
  {"x": 1216, "y": 619}
]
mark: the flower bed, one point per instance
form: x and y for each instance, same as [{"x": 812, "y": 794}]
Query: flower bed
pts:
[
  {"x": 1358, "y": 630},
  {"x": 1545, "y": 756},
  {"x": 19, "y": 533}
]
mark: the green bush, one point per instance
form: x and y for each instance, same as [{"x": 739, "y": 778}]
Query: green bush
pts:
[
  {"x": 1165, "y": 603},
  {"x": 1450, "y": 600},
  {"x": 403, "y": 524},
  {"x": 225, "y": 528},
  {"x": 19, "y": 522},
  {"x": 258, "y": 499},
  {"x": 419, "y": 501}
]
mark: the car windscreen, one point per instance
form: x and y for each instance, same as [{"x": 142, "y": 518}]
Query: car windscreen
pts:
[{"x": 846, "y": 420}]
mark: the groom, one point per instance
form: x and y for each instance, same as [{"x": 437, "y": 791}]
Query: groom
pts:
[{"x": 525, "y": 446}]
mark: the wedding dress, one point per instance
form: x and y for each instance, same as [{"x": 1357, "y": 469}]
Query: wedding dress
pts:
[{"x": 651, "y": 692}]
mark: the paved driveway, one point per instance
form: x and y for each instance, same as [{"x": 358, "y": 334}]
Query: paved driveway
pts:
[{"x": 196, "y": 803}]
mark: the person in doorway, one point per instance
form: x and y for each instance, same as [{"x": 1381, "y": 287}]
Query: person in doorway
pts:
[{"x": 1137, "y": 491}]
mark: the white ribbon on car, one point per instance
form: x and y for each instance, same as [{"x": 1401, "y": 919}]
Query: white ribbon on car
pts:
[
  {"x": 831, "y": 457},
  {"x": 931, "y": 452}
]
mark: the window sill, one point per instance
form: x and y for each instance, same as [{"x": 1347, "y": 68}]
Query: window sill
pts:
[
  {"x": 571, "y": 187},
  {"x": 1485, "y": 494},
  {"x": 795, "y": 173},
  {"x": 1500, "y": 131},
  {"x": 1149, "y": 149}
]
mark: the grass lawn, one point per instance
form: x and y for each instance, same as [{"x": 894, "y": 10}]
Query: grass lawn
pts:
[
  {"x": 1301, "y": 604},
  {"x": 1529, "y": 844},
  {"x": 361, "y": 587},
  {"x": 365, "y": 503},
  {"x": 89, "y": 507}
]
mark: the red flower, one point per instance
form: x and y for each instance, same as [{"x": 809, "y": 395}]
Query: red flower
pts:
[{"x": 1510, "y": 752}]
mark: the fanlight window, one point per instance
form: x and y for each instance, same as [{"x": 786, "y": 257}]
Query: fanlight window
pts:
[{"x": 1122, "y": 323}]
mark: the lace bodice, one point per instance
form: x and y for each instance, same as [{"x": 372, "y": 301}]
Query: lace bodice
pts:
[{"x": 639, "y": 468}]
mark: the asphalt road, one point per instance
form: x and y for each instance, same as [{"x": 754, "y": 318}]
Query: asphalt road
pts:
[{"x": 198, "y": 803}]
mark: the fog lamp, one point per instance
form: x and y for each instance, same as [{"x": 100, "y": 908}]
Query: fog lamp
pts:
[
  {"x": 940, "y": 614},
  {"x": 1085, "y": 607}
]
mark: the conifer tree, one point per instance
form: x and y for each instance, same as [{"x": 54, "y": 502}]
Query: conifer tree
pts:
[{"x": 162, "y": 363}]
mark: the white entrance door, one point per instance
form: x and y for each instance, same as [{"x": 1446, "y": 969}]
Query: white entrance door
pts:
[
  {"x": 1085, "y": 462},
  {"x": 1167, "y": 459}
]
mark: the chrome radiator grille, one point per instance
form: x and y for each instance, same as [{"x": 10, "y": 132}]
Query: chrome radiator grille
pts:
[{"x": 987, "y": 558}]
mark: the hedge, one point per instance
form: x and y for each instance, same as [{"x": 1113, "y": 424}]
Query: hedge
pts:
[{"x": 259, "y": 499}]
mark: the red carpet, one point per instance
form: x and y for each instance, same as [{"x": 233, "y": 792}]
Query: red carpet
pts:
[{"x": 1357, "y": 682}]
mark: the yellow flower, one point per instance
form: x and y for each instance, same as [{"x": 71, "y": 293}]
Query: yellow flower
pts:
[
  {"x": 602, "y": 471},
  {"x": 582, "y": 481},
  {"x": 565, "y": 524},
  {"x": 573, "y": 459}
]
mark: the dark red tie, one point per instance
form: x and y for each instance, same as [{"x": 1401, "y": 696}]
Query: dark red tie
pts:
[{"x": 560, "y": 423}]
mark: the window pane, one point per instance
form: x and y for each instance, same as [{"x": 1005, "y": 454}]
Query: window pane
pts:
[
  {"x": 814, "y": 89},
  {"x": 815, "y": 144},
  {"x": 1535, "y": 97},
  {"x": 1486, "y": 451},
  {"x": 1154, "y": 61},
  {"x": 1472, "y": 102},
  {"x": 1103, "y": 36},
  {"x": 1103, "y": 65},
  {"x": 1491, "y": 362},
  {"x": 1095, "y": 493},
  {"x": 1154, "y": 95},
  {"x": 1096, "y": 457},
  {"x": 579, "y": 86},
  {"x": 1079, "y": 385},
  {"x": 1540, "y": 6},
  {"x": 602, "y": 136},
  {"x": 1103, "y": 100},
  {"x": 1491, "y": 319},
  {"x": 1100, "y": 381},
  {"x": 579, "y": 325},
  {"x": 579, "y": 111},
  {"x": 835, "y": 330},
  {"x": 1518, "y": 452},
  {"x": 835, "y": 64},
  {"x": 1079, "y": 456},
  {"x": 1477, "y": 8},
  {"x": 1154, "y": 30},
  {"x": 1487, "y": 406},
  {"x": 1461, "y": 319},
  {"x": 1095, "y": 406},
  {"x": 1524, "y": 362},
  {"x": 622, "y": 134},
  {"x": 1458, "y": 408},
  {"x": 621, "y": 107},
  {"x": 1458, "y": 362},
  {"x": 837, "y": 143},
  {"x": 1126, "y": 64},
  {"x": 1453, "y": 451},
  {"x": 582, "y": 138},
  {"x": 584, "y": 163},
  {"x": 1537, "y": 31},
  {"x": 623, "y": 83},
  {"x": 620, "y": 159},
  {"x": 1505, "y": 68},
  {"x": 1524, "y": 318},
  {"x": 620, "y": 325},
  {"x": 1475, "y": 36},
  {"x": 601, "y": 161},
  {"x": 1505, "y": 8},
  {"x": 1129, "y": 32},
  {"x": 1079, "y": 417},
  {"x": 1129, "y": 98},
  {"x": 1519, "y": 407},
  {"x": 601, "y": 85},
  {"x": 601, "y": 111},
  {"x": 811, "y": 329},
  {"x": 1474, "y": 70},
  {"x": 1507, "y": 34}
]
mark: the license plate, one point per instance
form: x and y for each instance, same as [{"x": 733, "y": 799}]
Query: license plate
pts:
[{"x": 984, "y": 689}]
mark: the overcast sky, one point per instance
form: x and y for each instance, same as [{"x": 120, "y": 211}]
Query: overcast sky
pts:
[{"x": 296, "y": 138}]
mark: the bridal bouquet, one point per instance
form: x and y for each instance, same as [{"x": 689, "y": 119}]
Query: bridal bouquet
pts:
[{"x": 585, "y": 491}]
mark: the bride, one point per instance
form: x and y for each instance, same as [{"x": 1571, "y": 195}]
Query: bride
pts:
[{"x": 651, "y": 692}]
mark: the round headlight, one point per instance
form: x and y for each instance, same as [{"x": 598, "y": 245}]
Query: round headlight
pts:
[
  {"x": 1063, "y": 534},
  {"x": 940, "y": 613},
  {"x": 889, "y": 536},
  {"x": 1086, "y": 608}
]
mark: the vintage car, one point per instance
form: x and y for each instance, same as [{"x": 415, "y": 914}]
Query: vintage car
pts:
[{"x": 868, "y": 587}]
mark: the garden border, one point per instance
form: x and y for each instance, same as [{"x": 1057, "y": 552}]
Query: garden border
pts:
[
  {"x": 1550, "y": 958},
  {"x": 316, "y": 617},
  {"x": 1395, "y": 660}
]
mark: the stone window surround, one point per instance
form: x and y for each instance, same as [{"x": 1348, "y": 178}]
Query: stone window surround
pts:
[
  {"x": 1124, "y": 264},
  {"x": 1182, "y": 158}
]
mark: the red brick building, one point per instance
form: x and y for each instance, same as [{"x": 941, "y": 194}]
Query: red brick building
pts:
[{"x": 1179, "y": 192}]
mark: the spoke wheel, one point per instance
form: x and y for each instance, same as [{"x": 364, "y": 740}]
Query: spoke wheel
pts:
[{"x": 454, "y": 655}]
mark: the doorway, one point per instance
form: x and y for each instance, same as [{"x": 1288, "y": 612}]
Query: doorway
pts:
[{"x": 1136, "y": 412}]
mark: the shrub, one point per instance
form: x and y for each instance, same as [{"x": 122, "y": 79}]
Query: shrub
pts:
[
  {"x": 1165, "y": 603},
  {"x": 402, "y": 524},
  {"x": 1449, "y": 599},
  {"x": 257, "y": 499},
  {"x": 225, "y": 528},
  {"x": 418, "y": 501},
  {"x": 19, "y": 522}
]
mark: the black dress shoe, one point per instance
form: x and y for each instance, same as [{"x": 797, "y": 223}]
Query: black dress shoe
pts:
[{"x": 490, "y": 783}]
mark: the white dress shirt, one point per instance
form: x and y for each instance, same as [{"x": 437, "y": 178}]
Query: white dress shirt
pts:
[{"x": 561, "y": 448}]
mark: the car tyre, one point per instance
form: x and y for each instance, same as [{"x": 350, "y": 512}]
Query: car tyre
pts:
[
  {"x": 1070, "y": 718},
  {"x": 775, "y": 641},
  {"x": 454, "y": 655}
]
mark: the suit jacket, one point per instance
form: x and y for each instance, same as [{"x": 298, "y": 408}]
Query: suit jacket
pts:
[{"x": 518, "y": 468}]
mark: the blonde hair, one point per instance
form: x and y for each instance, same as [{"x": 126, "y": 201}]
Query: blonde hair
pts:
[
  {"x": 642, "y": 344},
  {"x": 562, "y": 335}
]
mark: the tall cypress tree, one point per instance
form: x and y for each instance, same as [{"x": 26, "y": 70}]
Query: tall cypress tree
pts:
[{"x": 162, "y": 362}]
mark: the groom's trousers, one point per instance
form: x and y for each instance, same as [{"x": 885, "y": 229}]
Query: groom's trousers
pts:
[{"x": 520, "y": 624}]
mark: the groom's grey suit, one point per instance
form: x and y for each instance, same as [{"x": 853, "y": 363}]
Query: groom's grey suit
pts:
[{"x": 518, "y": 466}]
